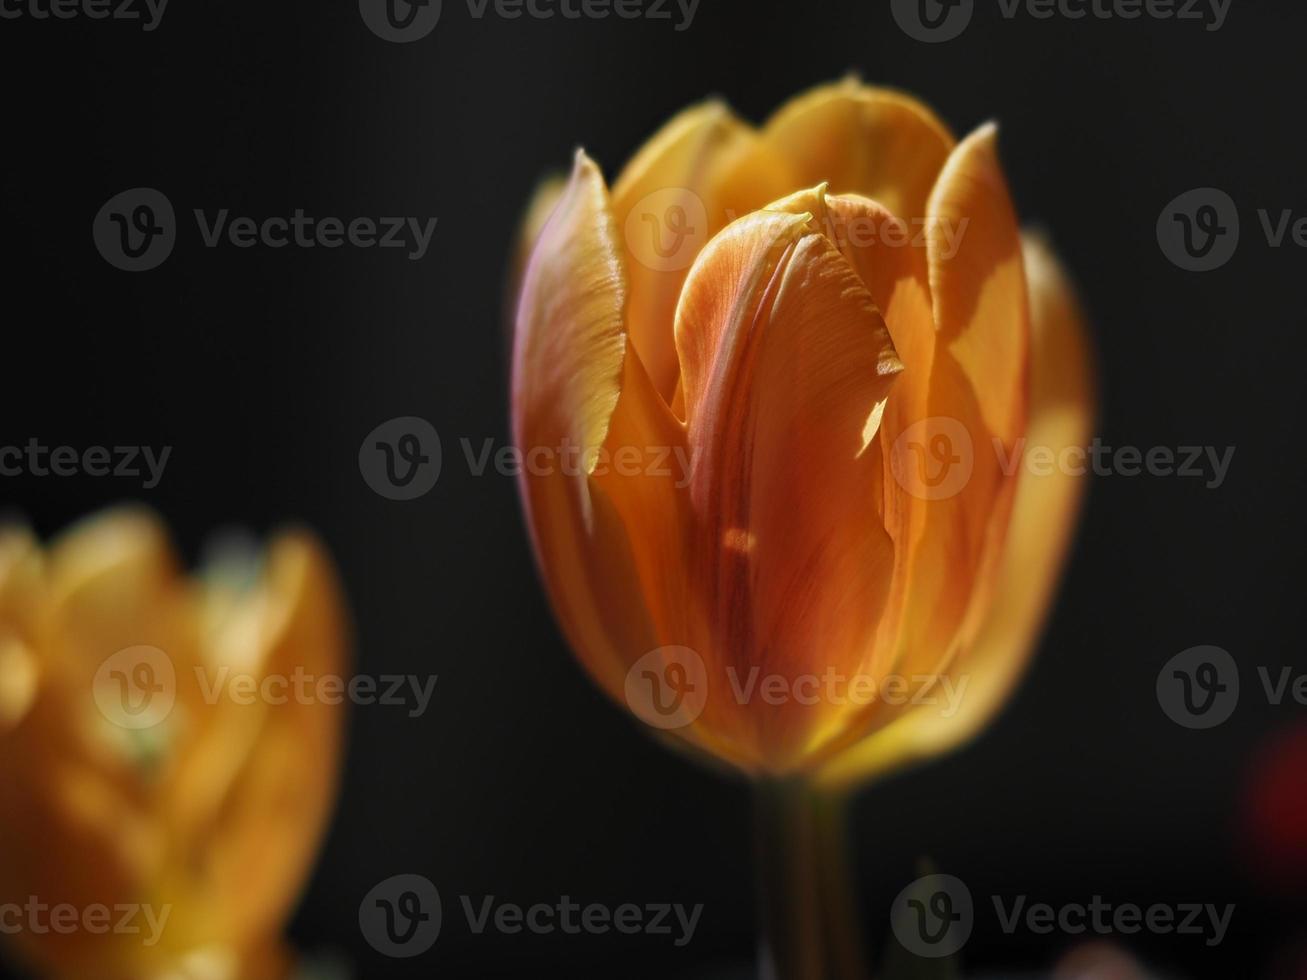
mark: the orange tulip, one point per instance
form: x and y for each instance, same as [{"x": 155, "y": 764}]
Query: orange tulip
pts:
[
  {"x": 192, "y": 819},
  {"x": 834, "y": 321}
]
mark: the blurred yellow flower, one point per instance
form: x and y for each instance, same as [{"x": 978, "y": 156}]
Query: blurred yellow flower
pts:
[
  {"x": 152, "y": 828},
  {"x": 834, "y": 324}
]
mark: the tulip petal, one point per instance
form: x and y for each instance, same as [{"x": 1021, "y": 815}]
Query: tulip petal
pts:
[
  {"x": 68, "y": 792},
  {"x": 890, "y": 256},
  {"x": 248, "y": 800},
  {"x": 875, "y": 142},
  {"x": 538, "y": 210},
  {"x": 973, "y": 414},
  {"x": 109, "y": 575},
  {"x": 891, "y": 259},
  {"x": 703, "y": 169},
  {"x": 978, "y": 282},
  {"x": 646, "y": 467},
  {"x": 785, "y": 361},
  {"x": 569, "y": 364},
  {"x": 570, "y": 344},
  {"x": 113, "y": 584},
  {"x": 20, "y": 604},
  {"x": 1040, "y": 532}
]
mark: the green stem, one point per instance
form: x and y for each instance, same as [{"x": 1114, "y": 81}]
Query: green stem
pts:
[{"x": 808, "y": 912}]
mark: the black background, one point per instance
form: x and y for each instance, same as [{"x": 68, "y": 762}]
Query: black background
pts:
[{"x": 264, "y": 369}]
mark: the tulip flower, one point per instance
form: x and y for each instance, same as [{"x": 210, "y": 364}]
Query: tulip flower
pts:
[
  {"x": 837, "y": 324},
  {"x": 131, "y": 779}
]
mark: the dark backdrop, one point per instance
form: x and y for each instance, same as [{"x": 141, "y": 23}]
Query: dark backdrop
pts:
[{"x": 264, "y": 369}]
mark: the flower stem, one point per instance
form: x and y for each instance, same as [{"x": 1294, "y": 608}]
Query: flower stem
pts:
[{"x": 807, "y": 908}]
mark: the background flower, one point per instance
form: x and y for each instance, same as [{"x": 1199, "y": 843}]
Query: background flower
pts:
[{"x": 204, "y": 810}]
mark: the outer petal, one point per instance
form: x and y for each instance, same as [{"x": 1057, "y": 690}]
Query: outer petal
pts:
[
  {"x": 702, "y": 170},
  {"x": 978, "y": 282},
  {"x": 247, "y": 801},
  {"x": 1044, "y": 515},
  {"x": 875, "y": 142},
  {"x": 544, "y": 199},
  {"x": 786, "y": 368},
  {"x": 74, "y": 789},
  {"x": 568, "y": 368},
  {"x": 976, "y": 396},
  {"x": 20, "y": 599}
]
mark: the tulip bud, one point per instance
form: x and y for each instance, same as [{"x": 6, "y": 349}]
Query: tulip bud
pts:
[
  {"x": 155, "y": 826},
  {"x": 835, "y": 323}
]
